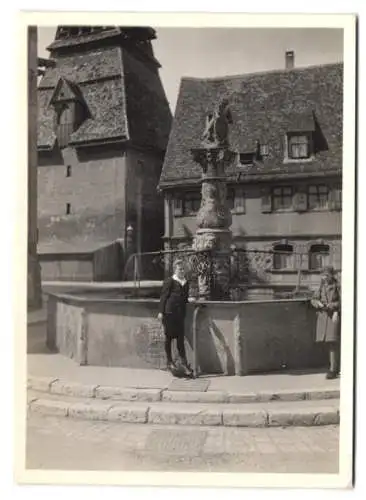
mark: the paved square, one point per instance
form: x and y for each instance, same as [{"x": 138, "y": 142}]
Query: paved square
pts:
[
  {"x": 175, "y": 441},
  {"x": 198, "y": 385}
]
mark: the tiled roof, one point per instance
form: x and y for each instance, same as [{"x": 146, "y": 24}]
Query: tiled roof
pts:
[
  {"x": 125, "y": 100},
  {"x": 264, "y": 106},
  {"x": 106, "y": 104},
  {"x": 84, "y": 67},
  {"x": 149, "y": 116},
  {"x": 46, "y": 134}
]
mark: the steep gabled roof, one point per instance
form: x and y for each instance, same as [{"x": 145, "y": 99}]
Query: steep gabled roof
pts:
[
  {"x": 125, "y": 99},
  {"x": 264, "y": 107}
]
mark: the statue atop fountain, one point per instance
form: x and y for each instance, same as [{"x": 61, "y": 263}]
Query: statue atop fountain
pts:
[{"x": 213, "y": 236}]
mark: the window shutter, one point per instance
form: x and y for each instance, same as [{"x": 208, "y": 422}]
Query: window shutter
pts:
[
  {"x": 337, "y": 199},
  {"x": 300, "y": 201},
  {"x": 177, "y": 207},
  {"x": 239, "y": 202},
  {"x": 266, "y": 201},
  {"x": 331, "y": 200}
]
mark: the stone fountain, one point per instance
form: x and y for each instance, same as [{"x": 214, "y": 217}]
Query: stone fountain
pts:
[
  {"x": 229, "y": 336},
  {"x": 213, "y": 238}
]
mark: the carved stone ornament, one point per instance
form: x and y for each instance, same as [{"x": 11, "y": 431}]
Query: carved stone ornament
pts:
[{"x": 217, "y": 125}]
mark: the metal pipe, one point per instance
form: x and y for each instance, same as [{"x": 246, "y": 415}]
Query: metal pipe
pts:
[{"x": 195, "y": 363}]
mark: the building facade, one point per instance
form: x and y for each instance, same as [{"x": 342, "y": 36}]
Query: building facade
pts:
[
  {"x": 285, "y": 183},
  {"x": 103, "y": 127}
]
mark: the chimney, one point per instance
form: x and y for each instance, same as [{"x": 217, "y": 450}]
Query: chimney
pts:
[{"x": 290, "y": 59}]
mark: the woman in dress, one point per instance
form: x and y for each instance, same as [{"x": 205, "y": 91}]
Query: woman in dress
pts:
[
  {"x": 172, "y": 310},
  {"x": 327, "y": 302}
]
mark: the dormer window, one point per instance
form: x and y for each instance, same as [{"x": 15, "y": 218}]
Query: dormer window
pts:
[
  {"x": 70, "y": 110},
  {"x": 299, "y": 146},
  {"x": 300, "y": 135},
  {"x": 246, "y": 158},
  {"x": 64, "y": 124}
]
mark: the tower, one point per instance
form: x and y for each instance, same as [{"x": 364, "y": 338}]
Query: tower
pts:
[{"x": 103, "y": 127}]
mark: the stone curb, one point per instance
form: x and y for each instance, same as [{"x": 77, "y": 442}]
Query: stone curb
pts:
[
  {"x": 55, "y": 386},
  {"x": 179, "y": 415}
]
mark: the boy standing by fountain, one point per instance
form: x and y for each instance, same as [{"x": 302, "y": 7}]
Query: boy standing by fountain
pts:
[{"x": 172, "y": 311}]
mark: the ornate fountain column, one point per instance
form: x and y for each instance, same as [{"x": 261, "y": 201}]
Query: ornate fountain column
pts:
[{"x": 213, "y": 236}]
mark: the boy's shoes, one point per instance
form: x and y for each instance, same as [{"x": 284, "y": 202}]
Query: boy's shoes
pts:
[
  {"x": 171, "y": 366},
  {"x": 180, "y": 370},
  {"x": 187, "y": 370}
]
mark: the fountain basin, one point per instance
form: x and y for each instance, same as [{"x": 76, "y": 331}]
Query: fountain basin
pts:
[{"x": 234, "y": 338}]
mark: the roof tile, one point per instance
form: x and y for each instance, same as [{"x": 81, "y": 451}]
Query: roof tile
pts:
[{"x": 264, "y": 106}]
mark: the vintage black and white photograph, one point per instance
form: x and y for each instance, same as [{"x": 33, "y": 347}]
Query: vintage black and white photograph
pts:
[{"x": 185, "y": 248}]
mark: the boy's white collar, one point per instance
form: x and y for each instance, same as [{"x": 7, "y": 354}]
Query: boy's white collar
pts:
[{"x": 181, "y": 281}]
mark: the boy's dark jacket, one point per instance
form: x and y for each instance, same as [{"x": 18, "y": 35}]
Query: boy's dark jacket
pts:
[{"x": 174, "y": 297}]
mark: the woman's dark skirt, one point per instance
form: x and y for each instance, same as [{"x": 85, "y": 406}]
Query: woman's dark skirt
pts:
[{"x": 173, "y": 325}]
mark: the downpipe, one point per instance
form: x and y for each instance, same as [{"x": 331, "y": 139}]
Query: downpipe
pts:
[{"x": 197, "y": 309}]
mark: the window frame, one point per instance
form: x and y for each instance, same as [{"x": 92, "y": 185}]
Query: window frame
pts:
[
  {"x": 190, "y": 196},
  {"x": 294, "y": 136},
  {"x": 247, "y": 159},
  {"x": 281, "y": 253},
  {"x": 313, "y": 253},
  {"x": 318, "y": 194},
  {"x": 275, "y": 196},
  {"x": 289, "y": 136}
]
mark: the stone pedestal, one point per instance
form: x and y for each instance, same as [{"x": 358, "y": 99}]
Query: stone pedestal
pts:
[{"x": 213, "y": 237}]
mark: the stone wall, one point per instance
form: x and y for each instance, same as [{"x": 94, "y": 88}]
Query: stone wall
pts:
[
  {"x": 101, "y": 264},
  {"x": 95, "y": 191},
  {"x": 232, "y": 337}
]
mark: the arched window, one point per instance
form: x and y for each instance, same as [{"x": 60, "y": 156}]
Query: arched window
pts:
[
  {"x": 283, "y": 256},
  {"x": 318, "y": 256}
]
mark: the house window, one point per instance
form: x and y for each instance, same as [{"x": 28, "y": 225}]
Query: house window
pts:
[
  {"x": 64, "y": 125},
  {"x": 318, "y": 257},
  {"x": 68, "y": 208},
  {"x": 283, "y": 257},
  {"x": 299, "y": 146},
  {"x": 282, "y": 198},
  {"x": 318, "y": 197},
  {"x": 68, "y": 171},
  {"x": 246, "y": 158},
  {"x": 191, "y": 202}
]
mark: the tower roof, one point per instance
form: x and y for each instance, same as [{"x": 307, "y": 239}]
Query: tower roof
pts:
[
  {"x": 71, "y": 37},
  {"x": 117, "y": 81}
]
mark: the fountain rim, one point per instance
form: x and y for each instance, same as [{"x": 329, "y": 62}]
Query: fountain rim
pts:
[{"x": 136, "y": 300}]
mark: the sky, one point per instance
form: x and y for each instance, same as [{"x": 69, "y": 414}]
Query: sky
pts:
[{"x": 213, "y": 52}]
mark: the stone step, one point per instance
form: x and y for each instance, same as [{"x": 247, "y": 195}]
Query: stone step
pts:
[
  {"x": 52, "y": 385},
  {"x": 270, "y": 414}
]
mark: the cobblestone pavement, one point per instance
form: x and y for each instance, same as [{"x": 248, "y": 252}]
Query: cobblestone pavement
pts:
[{"x": 66, "y": 444}]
